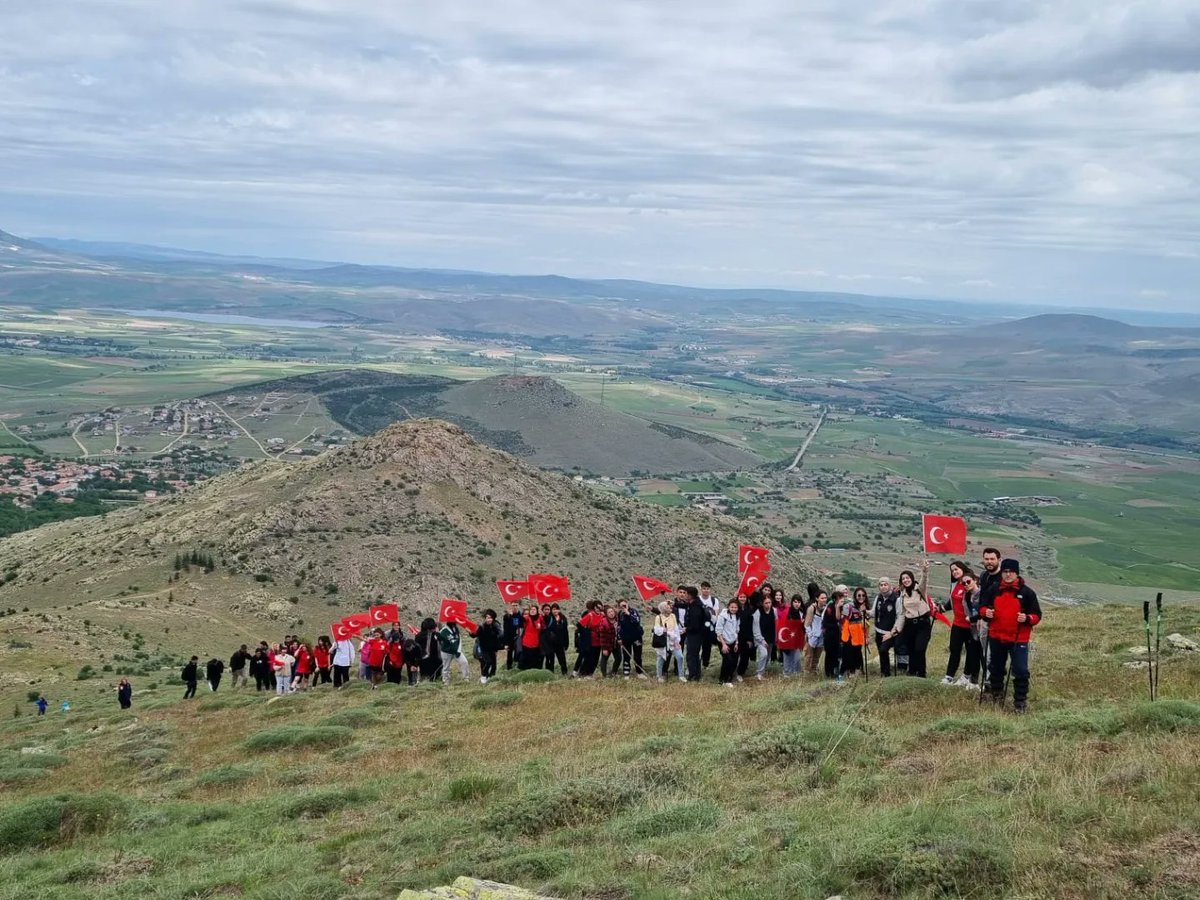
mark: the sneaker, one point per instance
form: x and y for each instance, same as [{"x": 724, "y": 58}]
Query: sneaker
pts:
[
  {"x": 962, "y": 681},
  {"x": 740, "y": 679},
  {"x": 1020, "y": 708},
  {"x": 682, "y": 680},
  {"x": 727, "y": 684},
  {"x": 642, "y": 676},
  {"x": 758, "y": 677},
  {"x": 971, "y": 686},
  {"x": 661, "y": 680},
  {"x": 626, "y": 677},
  {"x": 949, "y": 679},
  {"x": 483, "y": 679}
]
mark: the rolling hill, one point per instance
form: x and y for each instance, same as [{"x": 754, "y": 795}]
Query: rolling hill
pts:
[
  {"x": 414, "y": 513},
  {"x": 533, "y": 417}
]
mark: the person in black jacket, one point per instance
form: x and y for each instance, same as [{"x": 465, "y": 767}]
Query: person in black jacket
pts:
[
  {"x": 190, "y": 676},
  {"x": 556, "y": 637},
  {"x": 695, "y": 626},
  {"x": 630, "y": 636},
  {"x": 260, "y": 670},
  {"x": 831, "y": 630},
  {"x": 489, "y": 639},
  {"x": 989, "y": 579},
  {"x": 212, "y": 673},
  {"x": 513, "y": 620},
  {"x": 125, "y": 693},
  {"x": 746, "y": 632},
  {"x": 883, "y": 614},
  {"x": 238, "y": 663}
]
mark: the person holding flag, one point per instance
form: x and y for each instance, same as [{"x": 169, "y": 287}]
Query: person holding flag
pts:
[
  {"x": 790, "y": 635},
  {"x": 914, "y": 624},
  {"x": 343, "y": 659},
  {"x": 531, "y": 639}
]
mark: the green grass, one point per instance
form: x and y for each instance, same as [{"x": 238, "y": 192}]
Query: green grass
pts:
[{"x": 884, "y": 788}]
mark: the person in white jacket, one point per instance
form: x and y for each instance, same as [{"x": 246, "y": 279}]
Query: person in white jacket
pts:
[
  {"x": 666, "y": 633},
  {"x": 727, "y": 627},
  {"x": 343, "y": 659}
]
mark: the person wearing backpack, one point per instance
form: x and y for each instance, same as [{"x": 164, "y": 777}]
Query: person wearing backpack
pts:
[
  {"x": 630, "y": 635},
  {"x": 190, "y": 677}
]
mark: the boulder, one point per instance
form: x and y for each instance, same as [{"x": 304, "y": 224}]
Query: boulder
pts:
[
  {"x": 1179, "y": 642},
  {"x": 472, "y": 889}
]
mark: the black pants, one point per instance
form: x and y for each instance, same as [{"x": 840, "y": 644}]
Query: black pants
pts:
[
  {"x": 322, "y": 676},
  {"x": 710, "y": 640},
  {"x": 214, "y": 682},
  {"x": 191, "y": 690},
  {"x": 918, "y": 632},
  {"x": 590, "y": 661},
  {"x": 693, "y": 644},
  {"x": 631, "y": 659},
  {"x": 530, "y": 659},
  {"x": 999, "y": 655},
  {"x": 341, "y": 675},
  {"x": 729, "y": 665},
  {"x": 556, "y": 654},
  {"x": 262, "y": 681},
  {"x": 606, "y": 661},
  {"x": 395, "y": 674},
  {"x": 487, "y": 664},
  {"x": 510, "y": 655},
  {"x": 852, "y": 659},
  {"x": 833, "y": 652},
  {"x": 745, "y": 653},
  {"x": 964, "y": 638},
  {"x": 883, "y": 646}
]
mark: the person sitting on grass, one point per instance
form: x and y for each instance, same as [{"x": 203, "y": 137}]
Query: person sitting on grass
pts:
[{"x": 1011, "y": 615}]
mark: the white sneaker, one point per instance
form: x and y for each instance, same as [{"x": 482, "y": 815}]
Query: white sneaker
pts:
[
  {"x": 483, "y": 679},
  {"x": 728, "y": 684},
  {"x": 949, "y": 679},
  {"x": 962, "y": 682},
  {"x": 758, "y": 677},
  {"x": 974, "y": 687},
  {"x": 642, "y": 676},
  {"x": 661, "y": 680},
  {"x": 682, "y": 680}
]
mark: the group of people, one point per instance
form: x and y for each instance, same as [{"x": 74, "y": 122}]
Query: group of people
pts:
[{"x": 993, "y": 613}]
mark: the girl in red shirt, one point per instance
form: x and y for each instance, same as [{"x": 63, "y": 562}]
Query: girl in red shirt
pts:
[{"x": 321, "y": 653}]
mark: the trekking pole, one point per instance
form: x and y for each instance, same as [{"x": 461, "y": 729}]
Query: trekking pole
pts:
[
  {"x": 1158, "y": 642},
  {"x": 866, "y": 657},
  {"x": 1149, "y": 650},
  {"x": 983, "y": 669}
]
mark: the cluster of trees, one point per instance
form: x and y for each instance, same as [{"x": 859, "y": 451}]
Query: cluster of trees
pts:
[{"x": 197, "y": 558}]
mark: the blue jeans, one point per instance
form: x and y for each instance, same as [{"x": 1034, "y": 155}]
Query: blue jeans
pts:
[
  {"x": 1000, "y": 653},
  {"x": 660, "y": 664}
]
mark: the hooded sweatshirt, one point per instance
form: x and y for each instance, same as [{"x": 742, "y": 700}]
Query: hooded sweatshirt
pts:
[{"x": 1009, "y": 601}]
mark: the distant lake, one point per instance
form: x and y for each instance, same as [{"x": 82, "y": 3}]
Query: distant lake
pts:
[{"x": 223, "y": 319}]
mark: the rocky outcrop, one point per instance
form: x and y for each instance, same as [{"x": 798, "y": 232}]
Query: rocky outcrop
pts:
[{"x": 473, "y": 889}]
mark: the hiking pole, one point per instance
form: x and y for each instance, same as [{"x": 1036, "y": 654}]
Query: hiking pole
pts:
[
  {"x": 984, "y": 676},
  {"x": 1149, "y": 651},
  {"x": 1158, "y": 642}
]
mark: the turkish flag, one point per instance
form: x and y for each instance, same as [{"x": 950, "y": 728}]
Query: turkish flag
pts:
[
  {"x": 789, "y": 633},
  {"x": 414, "y": 629},
  {"x": 750, "y": 557},
  {"x": 752, "y": 579},
  {"x": 944, "y": 534},
  {"x": 385, "y": 612},
  {"x": 340, "y": 631},
  {"x": 357, "y": 622},
  {"x": 512, "y": 591},
  {"x": 453, "y": 611},
  {"x": 649, "y": 587},
  {"x": 546, "y": 588}
]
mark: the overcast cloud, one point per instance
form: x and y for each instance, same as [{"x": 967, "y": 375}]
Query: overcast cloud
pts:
[{"x": 946, "y": 148}]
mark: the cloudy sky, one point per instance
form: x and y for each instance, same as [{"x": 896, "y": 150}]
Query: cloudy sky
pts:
[{"x": 1016, "y": 150}]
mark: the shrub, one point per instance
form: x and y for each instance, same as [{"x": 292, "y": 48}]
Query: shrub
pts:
[
  {"x": 352, "y": 717},
  {"x": 971, "y": 726},
  {"x": 472, "y": 787},
  {"x": 785, "y": 701},
  {"x": 529, "y": 865},
  {"x": 1075, "y": 721},
  {"x": 1162, "y": 715},
  {"x": 44, "y": 821},
  {"x": 12, "y": 775},
  {"x": 799, "y": 742},
  {"x": 226, "y": 775},
  {"x": 906, "y": 688},
  {"x": 531, "y": 676},
  {"x": 500, "y": 698},
  {"x": 291, "y": 737},
  {"x": 318, "y": 804},
  {"x": 654, "y": 820},
  {"x": 573, "y": 803}
]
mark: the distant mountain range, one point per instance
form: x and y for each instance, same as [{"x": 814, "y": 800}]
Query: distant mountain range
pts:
[{"x": 632, "y": 305}]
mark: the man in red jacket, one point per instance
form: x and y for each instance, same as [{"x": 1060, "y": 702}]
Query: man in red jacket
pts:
[{"x": 1011, "y": 614}]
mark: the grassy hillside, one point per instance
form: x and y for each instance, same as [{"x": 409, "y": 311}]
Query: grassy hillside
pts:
[
  {"x": 418, "y": 512},
  {"x": 878, "y": 789}
]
